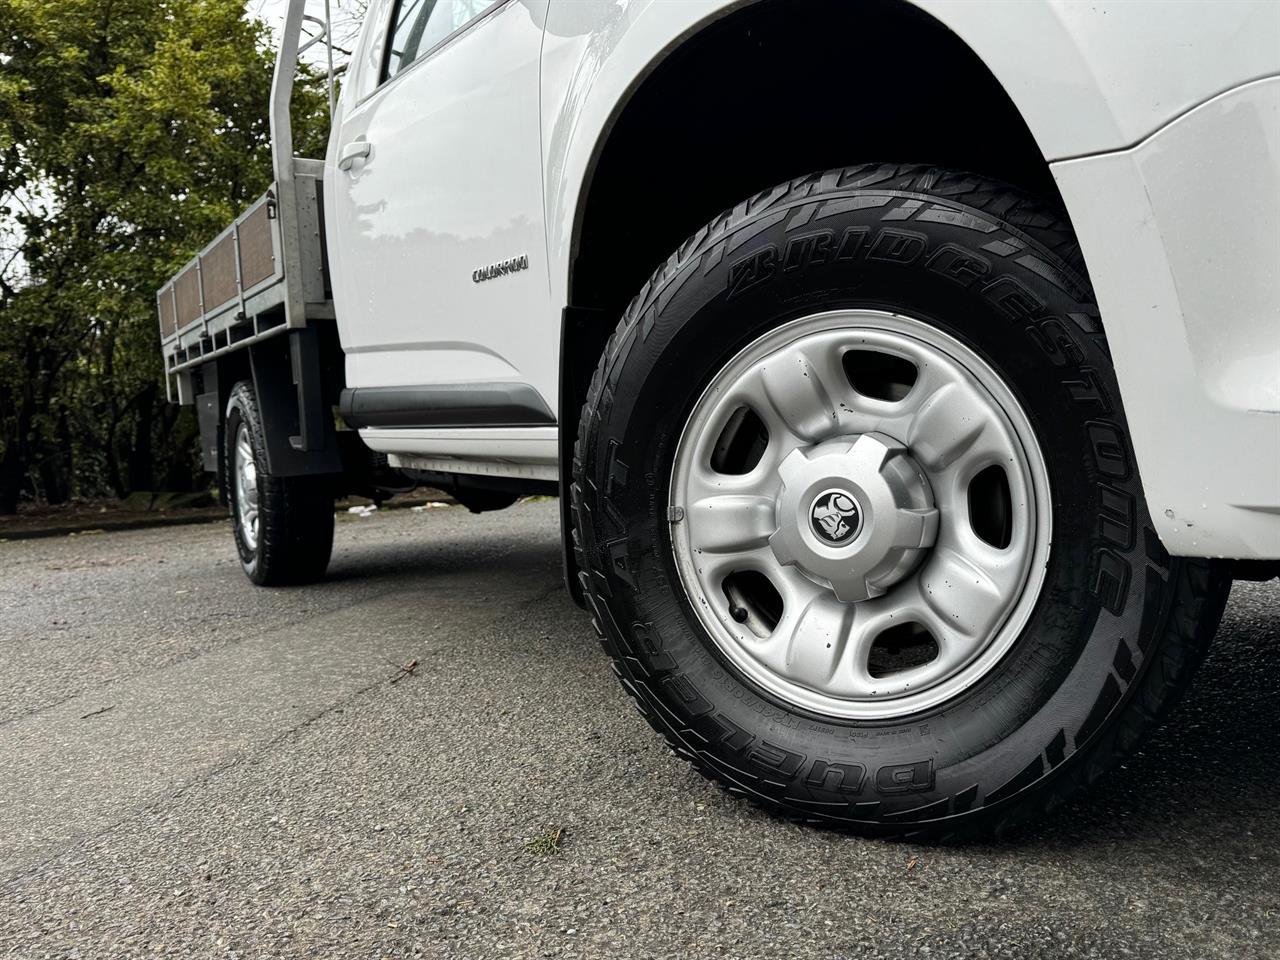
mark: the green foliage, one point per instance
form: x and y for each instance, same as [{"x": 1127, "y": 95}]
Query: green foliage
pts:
[{"x": 131, "y": 132}]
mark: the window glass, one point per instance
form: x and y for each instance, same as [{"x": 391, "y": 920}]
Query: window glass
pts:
[{"x": 418, "y": 25}]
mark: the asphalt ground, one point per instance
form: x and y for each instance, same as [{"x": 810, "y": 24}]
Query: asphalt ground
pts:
[{"x": 190, "y": 766}]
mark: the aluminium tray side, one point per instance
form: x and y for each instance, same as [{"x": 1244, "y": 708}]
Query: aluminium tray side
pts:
[{"x": 234, "y": 292}]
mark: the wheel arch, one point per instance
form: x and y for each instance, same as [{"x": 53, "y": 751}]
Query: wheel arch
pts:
[
  {"x": 651, "y": 138},
  {"x": 621, "y": 112}
]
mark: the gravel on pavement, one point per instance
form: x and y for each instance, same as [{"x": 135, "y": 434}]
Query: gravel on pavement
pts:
[{"x": 427, "y": 755}]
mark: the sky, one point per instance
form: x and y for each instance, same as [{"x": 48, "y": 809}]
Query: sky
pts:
[{"x": 346, "y": 15}]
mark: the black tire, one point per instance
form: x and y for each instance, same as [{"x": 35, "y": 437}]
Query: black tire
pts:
[
  {"x": 295, "y": 514},
  {"x": 1119, "y": 627}
]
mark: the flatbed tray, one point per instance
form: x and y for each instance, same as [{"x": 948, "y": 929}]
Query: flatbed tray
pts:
[{"x": 234, "y": 292}]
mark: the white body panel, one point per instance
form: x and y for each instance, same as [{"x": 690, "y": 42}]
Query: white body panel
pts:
[
  {"x": 453, "y": 183},
  {"x": 1187, "y": 276},
  {"x": 1164, "y": 148},
  {"x": 1089, "y": 77},
  {"x": 517, "y": 444}
]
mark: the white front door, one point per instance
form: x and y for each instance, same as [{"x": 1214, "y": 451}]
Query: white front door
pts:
[{"x": 436, "y": 229}]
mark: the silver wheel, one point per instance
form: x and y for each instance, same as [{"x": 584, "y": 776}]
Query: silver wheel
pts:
[
  {"x": 860, "y": 514},
  {"x": 244, "y": 471}
]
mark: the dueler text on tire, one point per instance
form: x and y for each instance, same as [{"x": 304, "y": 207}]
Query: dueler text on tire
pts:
[
  {"x": 858, "y": 516},
  {"x": 283, "y": 525}
]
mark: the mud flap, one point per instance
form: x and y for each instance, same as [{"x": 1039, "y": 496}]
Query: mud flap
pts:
[{"x": 288, "y": 381}]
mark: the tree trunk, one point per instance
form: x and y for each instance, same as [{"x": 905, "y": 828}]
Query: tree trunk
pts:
[
  {"x": 11, "y": 474},
  {"x": 13, "y": 465},
  {"x": 140, "y": 465},
  {"x": 56, "y": 465}
]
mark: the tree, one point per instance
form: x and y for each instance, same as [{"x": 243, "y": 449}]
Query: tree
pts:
[{"x": 131, "y": 132}]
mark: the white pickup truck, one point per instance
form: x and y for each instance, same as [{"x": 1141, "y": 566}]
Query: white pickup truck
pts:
[{"x": 909, "y": 369}]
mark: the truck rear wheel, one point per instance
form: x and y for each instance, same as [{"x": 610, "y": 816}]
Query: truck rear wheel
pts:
[
  {"x": 858, "y": 515},
  {"x": 283, "y": 525}
]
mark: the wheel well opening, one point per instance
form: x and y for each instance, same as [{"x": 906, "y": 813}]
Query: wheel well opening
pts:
[
  {"x": 774, "y": 90},
  {"x": 779, "y": 89}
]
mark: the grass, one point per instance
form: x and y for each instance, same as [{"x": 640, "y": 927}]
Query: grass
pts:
[{"x": 546, "y": 843}]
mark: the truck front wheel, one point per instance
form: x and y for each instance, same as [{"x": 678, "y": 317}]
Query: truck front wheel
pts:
[
  {"x": 859, "y": 517},
  {"x": 283, "y": 525}
]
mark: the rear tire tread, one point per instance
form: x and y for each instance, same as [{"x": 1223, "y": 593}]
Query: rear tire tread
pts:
[{"x": 295, "y": 518}]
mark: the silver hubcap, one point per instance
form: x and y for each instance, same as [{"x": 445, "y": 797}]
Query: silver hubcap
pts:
[
  {"x": 245, "y": 473},
  {"x": 860, "y": 514}
]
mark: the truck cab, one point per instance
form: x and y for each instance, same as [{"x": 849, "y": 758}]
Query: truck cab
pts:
[{"x": 443, "y": 293}]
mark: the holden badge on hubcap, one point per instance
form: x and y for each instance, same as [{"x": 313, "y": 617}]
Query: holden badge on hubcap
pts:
[{"x": 835, "y": 517}]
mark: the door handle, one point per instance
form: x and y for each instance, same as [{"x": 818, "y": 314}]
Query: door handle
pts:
[{"x": 356, "y": 150}]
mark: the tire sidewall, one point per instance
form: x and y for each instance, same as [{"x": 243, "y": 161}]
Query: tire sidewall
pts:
[
  {"x": 1033, "y": 320},
  {"x": 242, "y": 410}
]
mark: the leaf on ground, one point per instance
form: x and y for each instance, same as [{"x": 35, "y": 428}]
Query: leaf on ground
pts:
[{"x": 405, "y": 671}]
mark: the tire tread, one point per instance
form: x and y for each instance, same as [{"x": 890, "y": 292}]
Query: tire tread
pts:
[
  {"x": 1198, "y": 588},
  {"x": 295, "y": 514}
]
